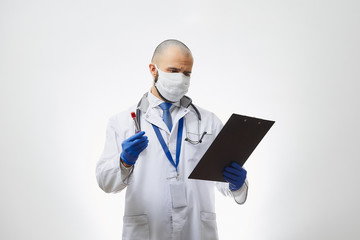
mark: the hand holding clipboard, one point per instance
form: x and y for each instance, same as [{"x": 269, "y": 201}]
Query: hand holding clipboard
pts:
[{"x": 235, "y": 142}]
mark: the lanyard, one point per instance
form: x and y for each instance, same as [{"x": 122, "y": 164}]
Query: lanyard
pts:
[{"x": 178, "y": 143}]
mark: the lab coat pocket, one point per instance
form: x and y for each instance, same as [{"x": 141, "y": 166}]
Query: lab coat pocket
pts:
[
  {"x": 195, "y": 149},
  {"x": 208, "y": 226},
  {"x": 136, "y": 228},
  {"x": 196, "y": 131}
]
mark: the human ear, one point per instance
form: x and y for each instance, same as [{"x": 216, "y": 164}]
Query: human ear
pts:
[{"x": 152, "y": 69}]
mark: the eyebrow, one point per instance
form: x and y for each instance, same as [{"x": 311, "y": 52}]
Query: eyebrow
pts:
[{"x": 177, "y": 69}]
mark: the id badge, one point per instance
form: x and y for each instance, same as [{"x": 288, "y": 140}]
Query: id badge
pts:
[{"x": 178, "y": 194}]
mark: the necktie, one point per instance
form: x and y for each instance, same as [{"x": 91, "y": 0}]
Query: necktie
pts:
[{"x": 165, "y": 106}]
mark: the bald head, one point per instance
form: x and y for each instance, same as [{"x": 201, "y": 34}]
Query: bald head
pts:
[{"x": 173, "y": 43}]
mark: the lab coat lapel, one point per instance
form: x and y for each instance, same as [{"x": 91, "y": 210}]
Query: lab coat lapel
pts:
[
  {"x": 181, "y": 113},
  {"x": 155, "y": 119}
]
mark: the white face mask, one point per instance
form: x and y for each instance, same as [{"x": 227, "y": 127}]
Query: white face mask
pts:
[{"x": 172, "y": 86}]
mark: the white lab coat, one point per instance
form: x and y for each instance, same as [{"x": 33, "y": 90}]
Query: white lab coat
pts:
[{"x": 160, "y": 204}]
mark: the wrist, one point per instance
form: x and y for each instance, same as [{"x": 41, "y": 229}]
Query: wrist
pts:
[
  {"x": 233, "y": 188},
  {"x": 124, "y": 163}
]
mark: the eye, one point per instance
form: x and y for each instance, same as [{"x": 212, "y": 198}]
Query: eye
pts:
[
  {"x": 187, "y": 74},
  {"x": 172, "y": 70}
]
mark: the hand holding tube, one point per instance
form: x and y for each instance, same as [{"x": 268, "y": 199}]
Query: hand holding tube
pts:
[{"x": 132, "y": 147}]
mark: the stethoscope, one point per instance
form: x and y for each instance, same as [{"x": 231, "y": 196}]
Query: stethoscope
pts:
[{"x": 186, "y": 102}]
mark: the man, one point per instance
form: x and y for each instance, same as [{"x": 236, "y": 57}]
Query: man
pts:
[{"x": 154, "y": 164}]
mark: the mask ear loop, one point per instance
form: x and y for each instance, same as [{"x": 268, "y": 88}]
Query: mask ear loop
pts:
[{"x": 157, "y": 69}]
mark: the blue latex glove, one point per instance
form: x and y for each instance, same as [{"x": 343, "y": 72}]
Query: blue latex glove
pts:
[
  {"x": 132, "y": 147},
  {"x": 235, "y": 175}
]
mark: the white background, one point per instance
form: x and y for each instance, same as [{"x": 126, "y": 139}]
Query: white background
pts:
[{"x": 67, "y": 66}]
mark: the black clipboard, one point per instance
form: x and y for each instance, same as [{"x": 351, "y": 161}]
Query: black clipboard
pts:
[{"x": 236, "y": 141}]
